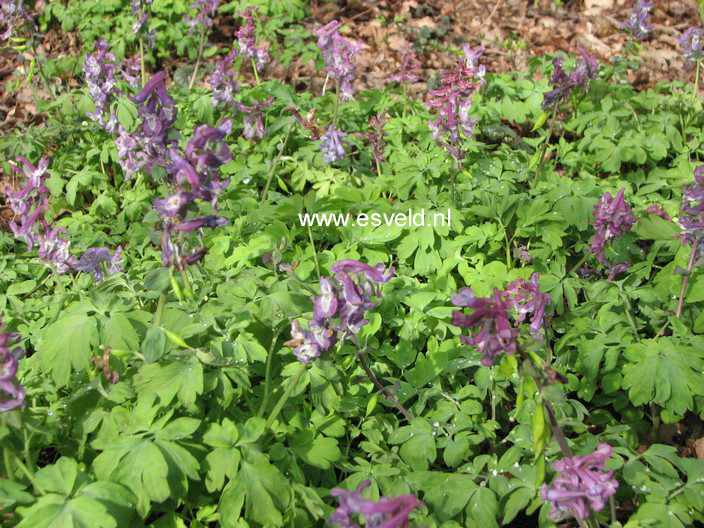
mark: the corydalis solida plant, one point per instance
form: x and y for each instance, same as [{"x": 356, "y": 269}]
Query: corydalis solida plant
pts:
[
  {"x": 339, "y": 311},
  {"x": 583, "y": 486},
  {"x": 12, "y": 394},
  {"x": 612, "y": 218},
  {"x": 562, "y": 84},
  {"x": 338, "y": 55},
  {"x": 247, "y": 39},
  {"x": 384, "y": 513},
  {"x": 195, "y": 177},
  {"x": 492, "y": 333},
  {"x": 637, "y": 21}
]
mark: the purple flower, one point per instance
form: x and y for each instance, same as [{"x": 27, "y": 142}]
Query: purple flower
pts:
[
  {"x": 376, "y": 137},
  {"x": 201, "y": 222},
  {"x": 147, "y": 146},
  {"x": 247, "y": 39},
  {"x": 331, "y": 145},
  {"x": 11, "y": 393},
  {"x": 691, "y": 43},
  {"x": 92, "y": 262},
  {"x": 584, "y": 486},
  {"x": 339, "y": 55},
  {"x": 409, "y": 62},
  {"x": 223, "y": 80},
  {"x": 13, "y": 16},
  {"x": 472, "y": 57},
  {"x": 617, "y": 269},
  {"x": 386, "y": 513},
  {"x": 339, "y": 310},
  {"x": 30, "y": 202},
  {"x": 526, "y": 298},
  {"x": 692, "y": 212},
  {"x": 206, "y": 11},
  {"x": 99, "y": 72},
  {"x": 657, "y": 210},
  {"x": 54, "y": 249},
  {"x": 141, "y": 25},
  {"x": 131, "y": 71},
  {"x": 562, "y": 84},
  {"x": 612, "y": 218},
  {"x": 453, "y": 102},
  {"x": 637, "y": 21},
  {"x": 253, "y": 126},
  {"x": 174, "y": 204},
  {"x": 489, "y": 319},
  {"x": 314, "y": 129}
]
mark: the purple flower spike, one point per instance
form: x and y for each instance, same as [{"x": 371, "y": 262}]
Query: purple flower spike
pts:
[
  {"x": 691, "y": 43},
  {"x": 339, "y": 55},
  {"x": 376, "y": 137},
  {"x": 247, "y": 39},
  {"x": 526, "y": 298},
  {"x": 386, "y": 513},
  {"x": 692, "y": 213},
  {"x": 489, "y": 319},
  {"x": 637, "y": 22},
  {"x": 223, "y": 80},
  {"x": 99, "y": 72},
  {"x": 562, "y": 84},
  {"x": 331, "y": 145},
  {"x": 206, "y": 11},
  {"x": 612, "y": 218},
  {"x": 584, "y": 487},
  {"x": 175, "y": 204},
  {"x": 199, "y": 223},
  {"x": 92, "y": 262},
  {"x": 409, "y": 63},
  {"x": 339, "y": 310},
  {"x": 253, "y": 126},
  {"x": 12, "y": 394}
]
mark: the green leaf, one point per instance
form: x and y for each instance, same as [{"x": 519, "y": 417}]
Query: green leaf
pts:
[
  {"x": 655, "y": 228},
  {"x": 18, "y": 288},
  {"x": 67, "y": 346},
  {"x": 318, "y": 451},
  {"x": 517, "y": 500},
  {"x": 183, "y": 378},
  {"x": 484, "y": 507},
  {"x": 260, "y": 488},
  {"x": 154, "y": 345},
  {"x": 118, "y": 333},
  {"x": 663, "y": 371}
]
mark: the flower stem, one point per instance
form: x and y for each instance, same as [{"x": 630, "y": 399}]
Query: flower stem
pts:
[
  {"x": 267, "y": 375},
  {"x": 186, "y": 284},
  {"x": 256, "y": 74},
  {"x": 574, "y": 268},
  {"x": 286, "y": 395},
  {"x": 57, "y": 277},
  {"x": 629, "y": 317},
  {"x": 337, "y": 102},
  {"x": 28, "y": 473},
  {"x": 361, "y": 354},
  {"x": 45, "y": 79},
  {"x": 200, "y": 56},
  {"x": 405, "y": 99},
  {"x": 141, "y": 62},
  {"x": 696, "y": 80},
  {"x": 273, "y": 165},
  {"x": 315, "y": 253},
  {"x": 692, "y": 256},
  {"x": 159, "y": 310},
  {"x": 8, "y": 464}
]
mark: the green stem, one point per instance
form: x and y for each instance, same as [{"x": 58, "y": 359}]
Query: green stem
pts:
[
  {"x": 141, "y": 63},
  {"x": 315, "y": 253},
  {"x": 378, "y": 384},
  {"x": 574, "y": 268},
  {"x": 186, "y": 284},
  {"x": 8, "y": 464},
  {"x": 42, "y": 74},
  {"x": 256, "y": 74},
  {"x": 405, "y": 99},
  {"x": 286, "y": 395},
  {"x": 337, "y": 102},
  {"x": 273, "y": 166},
  {"x": 200, "y": 56},
  {"x": 629, "y": 317},
  {"x": 267, "y": 375},
  {"x": 159, "y": 310},
  {"x": 28, "y": 473},
  {"x": 57, "y": 277},
  {"x": 548, "y": 348},
  {"x": 685, "y": 281},
  {"x": 696, "y": 80},
  {"x": 612, "y": 509},
  {"x": 544, "y": 147}
]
